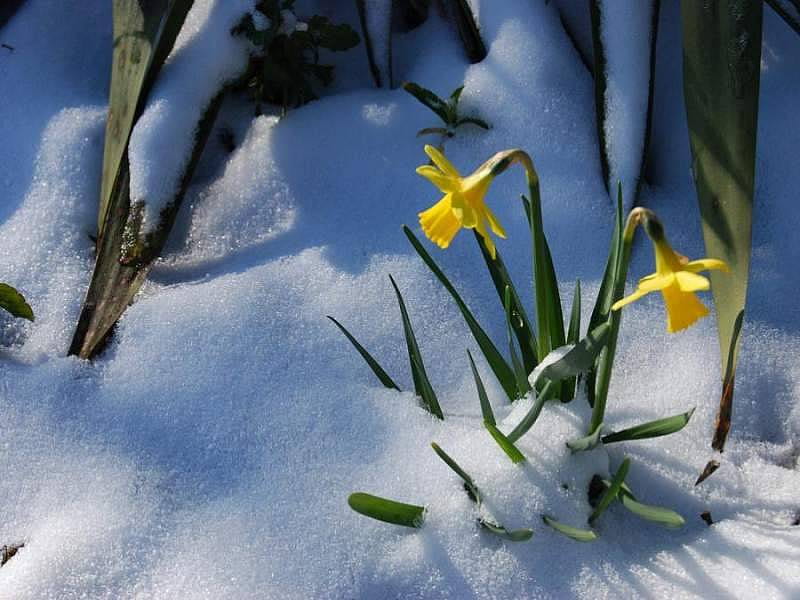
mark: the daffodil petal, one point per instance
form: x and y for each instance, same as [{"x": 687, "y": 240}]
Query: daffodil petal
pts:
[
  {"x": 439, "y": 223},
  {"x": 480, "y": 227},
  {"x": 683, "y": 308},
  {"x": 691, "y": 282},
  {"x": 706, "y": 264},
  {"x": 440, "y": 160},
  {"x": 495, "y": 224},
  {"x": 437, "y": 178},
  {"x": 655, "y": 282},
  {"x": 465, "y": 212},
  {"x": 628, "y": 299}
]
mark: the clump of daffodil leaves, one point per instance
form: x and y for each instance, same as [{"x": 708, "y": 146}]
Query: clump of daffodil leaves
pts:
[{"x": 544, "y": 362}]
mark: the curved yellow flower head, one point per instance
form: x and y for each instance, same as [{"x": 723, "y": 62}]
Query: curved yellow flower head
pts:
[
  {"x": 677, "y": 279},
  {"x": 462, "y": 204}
]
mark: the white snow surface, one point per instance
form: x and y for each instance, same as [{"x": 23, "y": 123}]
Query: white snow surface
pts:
[
  {"x": 625, "y": 28},
  {"x": 209, "y": 452},
  {"x": 204, "y": 59}
]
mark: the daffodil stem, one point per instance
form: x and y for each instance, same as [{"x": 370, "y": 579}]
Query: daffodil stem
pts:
[{"x": 606, "y": 362}]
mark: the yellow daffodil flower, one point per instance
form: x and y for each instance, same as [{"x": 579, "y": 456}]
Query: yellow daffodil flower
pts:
[
  {"x": 677, "y": 279},
  {"x": 462, "y": 204}
]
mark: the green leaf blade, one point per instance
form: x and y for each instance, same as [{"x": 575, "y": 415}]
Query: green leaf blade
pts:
[
  {"x": 526, "y": 336},
  {"x": 505, "y": 444},
  {"x": 651, "y": 429},
  {"x": 611, "y": 492},
  {"x": 14, "y": 302},
  {"x": 486, "y": 406},
  {"x": 501, "y": 369},
  {"x": 379, "y": 372},
  {"x": 575, "y": 533},
  {"x": 512, "y": 535},
  {"x": 579, "y": 358},
  {"x": 388, "y": 511},
  {"x": 656, "y": 514},
  {"x": 422, "y": 385},
  {"x": 586, "y": 443}
]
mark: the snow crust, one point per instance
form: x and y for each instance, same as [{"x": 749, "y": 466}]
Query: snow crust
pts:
[
  {"x": 210, "y": 451},
  {"x": 204, "y": 59}
]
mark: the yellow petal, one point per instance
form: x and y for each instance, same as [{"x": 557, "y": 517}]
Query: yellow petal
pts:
[
  {"x": 656, "y": 282},
  {"x": 706, "y": 264},
  {"x": 628, "y": 299},
  {"x": 683, "y": 308},
  {"x": 464, "y": 211},
  {"x": 691, "y": 282},
  {"x": 487, "y": 239},
  {"x": 439, "y": 222},
  {"x": 437, "y": 178},
  {"x": 495, "y": 224},
  {"x": 440, "y": 160}
]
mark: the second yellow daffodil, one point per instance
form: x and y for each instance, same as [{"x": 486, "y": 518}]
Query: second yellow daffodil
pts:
[
  {"x": 677, "y": 279},
  {"x": 462, "y": 205}
]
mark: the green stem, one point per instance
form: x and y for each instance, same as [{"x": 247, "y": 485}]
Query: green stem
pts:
[{"x": 636, "y": 217}]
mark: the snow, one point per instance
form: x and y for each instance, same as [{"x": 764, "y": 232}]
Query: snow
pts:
[
  {"x": 210, "y": 451},
  {"x": 625, "y": 29},
  {"x": 204, "y": 59}
]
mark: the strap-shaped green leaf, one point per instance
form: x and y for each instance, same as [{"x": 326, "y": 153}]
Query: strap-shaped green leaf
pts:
[
  {"x": 548, "y": 392},
  {"x": 14, "y": 302},
  {"x": 526, "y": 336},
  {"x": 450, "y": 462},
  {"x": 380, "y": 373},
  {"x": 512, "y": 535},
  {"x": 501, "y": 369},
  {"x": 388, "y": 511},
  {"x": 505, "y": 444},
  {"x": 579, "y": 535},
  {"x": 422, "y": 385},
  {"x": 573, "y": 334},
  {"x": 520, "y": 376},
  {"x": 468, "y": 31},
  {"x": 721, "y": 79},
  {"x": 550, "y": 319},
  {"x": 605, "y": 295},
  {"x": 650, "y": 429},
  {"x": 486, "y": 406},
  {"x": 586, "y": 443},
  {"x": 657, "y": 514},
  {"x": 144, "y": 34},
  {"x": 580, "y": 357},
  {"x": 611, "y": 491},
  {"x": 379, "y": 66}
]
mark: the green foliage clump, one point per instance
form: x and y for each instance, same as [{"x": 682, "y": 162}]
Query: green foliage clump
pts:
[{"x": 286, "y": 68}]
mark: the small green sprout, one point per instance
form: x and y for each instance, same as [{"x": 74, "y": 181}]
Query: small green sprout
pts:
[
  {"x": 446, "y": 110},
  {"x": 13, "y": 302}
]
